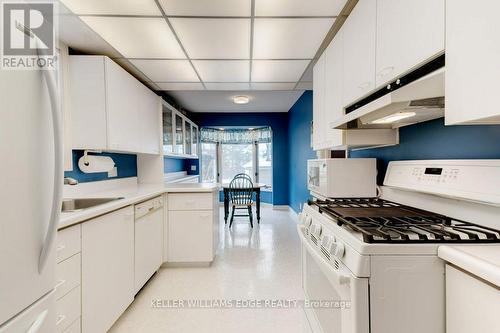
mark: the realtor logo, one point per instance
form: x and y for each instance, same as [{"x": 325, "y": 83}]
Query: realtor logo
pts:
[{"x": 28, "y": 36}]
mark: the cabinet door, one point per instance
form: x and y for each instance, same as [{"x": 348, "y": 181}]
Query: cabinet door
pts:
[
  {"x": 409, "y": 33},
  {"x": 149, "y": 121},
  {"x": 333, "y": 90},
  {"x": 195, "y": 140},
  {"x": 188, "y": 137},
  {"x": 87, "y": 101},
  {"x": 122, "y": 108},
  {"x": 168, "y": 130},
  {"x": 179, "y": 134},
  {"x": 472, "y": 62},
  {"x": 359, "y": 51},
  {"x": 318, "y": 102},
  {"x": 107, "y": 269},
  {"x": 190, "y": 236}
]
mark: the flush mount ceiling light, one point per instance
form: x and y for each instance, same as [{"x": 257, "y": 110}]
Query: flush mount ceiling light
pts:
[
  {"x": 394, "y": 118},
  {"x": 241, "y": 99}
]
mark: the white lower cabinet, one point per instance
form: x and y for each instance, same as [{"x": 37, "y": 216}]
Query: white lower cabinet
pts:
[
  {"x": 193, "y": 230},
  {"x": 68, "y": 280},
  {"x": 107, "y": 269},
  {"x": 471, "y": 303}
]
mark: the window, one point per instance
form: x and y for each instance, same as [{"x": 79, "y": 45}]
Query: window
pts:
[
  {"x": 236, "y": 158},
  {"x": 209, "y": 162},
  {"x": 226, "y": 153}
]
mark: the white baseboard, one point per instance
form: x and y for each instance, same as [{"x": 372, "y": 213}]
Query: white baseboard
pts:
[{"x": 281, "y": 207}]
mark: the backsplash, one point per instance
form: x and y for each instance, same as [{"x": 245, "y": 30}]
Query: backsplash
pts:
[
  {"x": 126, "y": 165},
  {"x": 432, "y": 140}
]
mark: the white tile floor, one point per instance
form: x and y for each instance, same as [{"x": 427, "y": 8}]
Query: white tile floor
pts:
[{"x": 258, "y": 264}]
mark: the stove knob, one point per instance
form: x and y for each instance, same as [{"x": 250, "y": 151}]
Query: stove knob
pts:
[
  {"x": 308, "y": 221},
  {"x": 339, "y": 250}
]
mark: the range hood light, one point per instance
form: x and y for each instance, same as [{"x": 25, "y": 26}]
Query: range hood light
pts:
[{"x": 394, "y": 117}]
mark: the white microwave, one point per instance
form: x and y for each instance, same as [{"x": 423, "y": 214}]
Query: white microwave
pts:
[{"x": 342, "y": 177}]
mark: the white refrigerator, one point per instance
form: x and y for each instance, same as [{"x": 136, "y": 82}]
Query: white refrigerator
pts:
[{"x": 31, "y": 179}]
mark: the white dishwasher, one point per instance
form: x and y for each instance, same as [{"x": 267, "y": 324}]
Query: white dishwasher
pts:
[{"x": 148, "y": 240}]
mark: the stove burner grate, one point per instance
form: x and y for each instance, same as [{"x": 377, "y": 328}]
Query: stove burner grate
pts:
[{"x": 382, "y": 221}]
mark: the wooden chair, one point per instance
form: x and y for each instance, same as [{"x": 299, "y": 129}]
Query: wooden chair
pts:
[{"x": 240, "y": 196}]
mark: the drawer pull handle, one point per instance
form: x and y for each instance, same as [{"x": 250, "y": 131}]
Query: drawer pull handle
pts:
[
  {"x": 385, "y": 71},
  {"x": 60, "y": 283},
  {"x": 60, "y": 319},
  {"x": 60, "y": 248},
  {"x": 364, "y": 85}
]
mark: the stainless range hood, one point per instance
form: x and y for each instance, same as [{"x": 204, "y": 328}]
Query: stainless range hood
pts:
[{"x": 418, "y": 101}]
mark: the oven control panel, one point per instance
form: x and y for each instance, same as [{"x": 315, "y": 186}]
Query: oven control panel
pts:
[{"x": 473, "y": 180}]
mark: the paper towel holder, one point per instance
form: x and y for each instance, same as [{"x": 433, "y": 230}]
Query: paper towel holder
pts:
[{"x": 85, "y": 154}]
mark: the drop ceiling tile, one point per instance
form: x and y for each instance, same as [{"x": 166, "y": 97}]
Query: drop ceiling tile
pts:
[
  {"x": 214, "y": 38},
  {"x": 299, "y": 7},
  {"x": 137, "y": 37},
  {"x": 304, "y": 85},
  {"x": 207, "y": 8},
  {"x": 227, "y": 85},
  {"x": 223, "y": 70},
  {"x": 289, "y": 38},
  {"x": 308, "y": 75},
  {"x": 272, "y": 86},
  {"x": 278, "y": 70},
  {"x": 179, "y": 85},
  {"x": 112, "y": 7},
  {"x": 166, "y": 70}
]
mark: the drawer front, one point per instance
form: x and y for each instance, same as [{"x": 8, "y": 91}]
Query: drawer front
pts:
[
  {"x": 76, "y": 327},
  {"x": 68, "y": 242},
  {"x": 190, "y": 201},
  {"x": 68, "y": 275},
  {"x": 68, "y": 310}
]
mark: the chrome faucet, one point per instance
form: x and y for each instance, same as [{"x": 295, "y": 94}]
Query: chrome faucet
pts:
[{"x": 70, "y": 181}]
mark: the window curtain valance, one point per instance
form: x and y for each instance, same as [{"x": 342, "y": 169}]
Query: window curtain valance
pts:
[{"x": 236, "y": 135}]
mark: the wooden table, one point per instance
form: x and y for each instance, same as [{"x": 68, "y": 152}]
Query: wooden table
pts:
[{"x": 256, "y": 189}]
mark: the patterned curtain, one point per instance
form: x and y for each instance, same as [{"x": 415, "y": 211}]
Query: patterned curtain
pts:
[{"x": 236, "y": 135}]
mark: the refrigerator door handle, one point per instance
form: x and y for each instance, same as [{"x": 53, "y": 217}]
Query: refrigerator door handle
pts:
[
  {"x": 35, "y": 327},
  {"x": 58, "y": 169}
]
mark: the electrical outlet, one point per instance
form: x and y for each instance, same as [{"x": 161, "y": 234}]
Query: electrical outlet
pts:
[
  {"x": 113, "y": 172},
  {"x": 193, "y": 167}
]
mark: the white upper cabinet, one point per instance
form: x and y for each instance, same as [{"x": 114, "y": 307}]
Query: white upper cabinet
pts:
[
  {"x": 409, "y": 33},
  {"x": 111, "y": 110},
  {"x": 318, "y": 102},
  {"x": 472, "y": 62},
  {"x": 359, "y": 51},
  {"x": 334, "y": 65}
]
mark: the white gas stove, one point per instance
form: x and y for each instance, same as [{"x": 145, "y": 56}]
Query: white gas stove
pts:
[{"x": 380, "y": 254}]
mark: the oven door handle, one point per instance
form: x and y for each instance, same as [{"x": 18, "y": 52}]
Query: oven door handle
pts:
[{"x": 338, "y": 277}]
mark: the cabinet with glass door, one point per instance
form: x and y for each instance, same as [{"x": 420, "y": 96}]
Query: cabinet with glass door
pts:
[{"x": 180, "y": 135}]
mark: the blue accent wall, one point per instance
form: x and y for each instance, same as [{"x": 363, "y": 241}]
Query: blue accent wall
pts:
[
  {"x": 126, "y": 165},
  {"x": 173, "y": 164},
  {"x": 433, "y": 140},
  {"x": 278, "y": 121},
  {"x": 299, "y": 149}
]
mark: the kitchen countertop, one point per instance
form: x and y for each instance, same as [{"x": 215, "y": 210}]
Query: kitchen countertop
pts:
[
  {"x": 131, "y": 195},
  {"x": 482, "y": 261}
]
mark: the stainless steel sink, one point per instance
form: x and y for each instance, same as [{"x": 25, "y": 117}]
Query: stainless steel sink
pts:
[{"x": 74, "y": 205}]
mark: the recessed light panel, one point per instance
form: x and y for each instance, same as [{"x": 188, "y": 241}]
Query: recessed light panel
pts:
[
  {"x": 289, "y": 38},
  {"x": 179, "y": 86},
  {"x": 136, "y": 37},
  {"x": 207, "y": 8},
  {"x": 298, "y": 7},
  {"x": 214, "y": 38},
  {"x": 278, "y": 70},
  {"x": 166, "y": 70},
  {"x": 112, "y": 7},
  {"x": 223, "y": 70}
]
